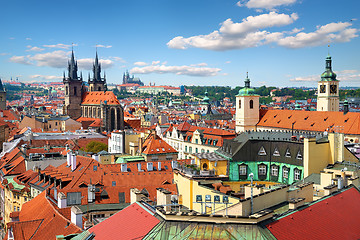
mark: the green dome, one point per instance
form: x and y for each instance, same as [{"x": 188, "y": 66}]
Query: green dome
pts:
[
  {"x": 246, "y": 91},
  {"x": 206, "y": 98},
  {"x": 53, "y": 91}
]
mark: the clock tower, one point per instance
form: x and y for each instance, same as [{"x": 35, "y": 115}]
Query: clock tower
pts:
[{"x": 328, "y": 90}]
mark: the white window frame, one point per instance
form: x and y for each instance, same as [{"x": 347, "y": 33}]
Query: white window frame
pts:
[
  {"x": 286, "y": 172},
  {"x": 297, "y": 174},
  {"x": 242, "y": 170},
  {"x": 274, "y": 170},
  {"x": 262, "y": 170}
]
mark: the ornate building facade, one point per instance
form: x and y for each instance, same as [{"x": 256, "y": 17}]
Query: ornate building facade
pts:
[{"x": 94, "y": 104}]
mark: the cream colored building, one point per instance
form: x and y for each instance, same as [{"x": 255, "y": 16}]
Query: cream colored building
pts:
[{"x": 247, "y": 108}]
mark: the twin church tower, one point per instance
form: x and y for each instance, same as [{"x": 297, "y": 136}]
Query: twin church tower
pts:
[{"x": 247, "y": 102}]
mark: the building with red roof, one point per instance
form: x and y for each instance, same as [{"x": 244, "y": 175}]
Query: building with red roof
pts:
[
  {"x": 332, "y": 217},
  {"x": 96, "y": 102}
]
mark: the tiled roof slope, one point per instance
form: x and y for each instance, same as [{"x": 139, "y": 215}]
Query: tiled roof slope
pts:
[
  {"x": 334, "y": 217},
  {"x": 311, "y": 120},
  {"x": 110, "y": 178},
  {"x": 97, "y": 97},
  {"x": 40, "y": 220},
  {"x": 133, "y": 222},
  {"x": 155, "y": 145}
]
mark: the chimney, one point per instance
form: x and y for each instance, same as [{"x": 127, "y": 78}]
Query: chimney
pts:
[
  {"x": 61, "y": 200},
  {"x": 76, "y": 216},
  {"x": 68, "y": 159},
  {"x": 135, "y": 195},
  {"x": 163, "y": 198},
  {"x": 73, "y": 162},
  {"x": 159, "y": 166},
  {"x": 149, "y": 166},
  {"x": 91, "y": 193},
  {"x": 140, "y": 144}
]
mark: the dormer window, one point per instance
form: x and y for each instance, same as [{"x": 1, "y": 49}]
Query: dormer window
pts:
[
  {"x": 299, "y": 156},
  {"x": 276, "y": 153},
  {"x": 262, "y": 151},
  {"x": 288, "y": 154}
]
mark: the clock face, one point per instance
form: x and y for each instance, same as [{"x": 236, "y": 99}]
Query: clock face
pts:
[
  {"x": 322, "y": 88},
  {"x": 333, "y": 89}
]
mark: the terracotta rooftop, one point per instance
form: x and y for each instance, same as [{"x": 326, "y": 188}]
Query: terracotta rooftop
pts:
[
  {"x": 155, "y": 145},
  {"x": 311, "y": 120},
  {"x": 97, "y": 97},
  {"x": 333, "y": 217}
]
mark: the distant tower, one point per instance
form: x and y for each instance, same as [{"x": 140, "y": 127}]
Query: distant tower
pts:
[
  {"x": 328, "y": 90},
  {"x": 205, "y": 104},
  {"x": 126, "y": 77},
  {"x": 247, "y": 108},
  {"x": 97, "y": 83},
  {"x": 74, "y": 89},
  {"x": 2, "y": 96}
]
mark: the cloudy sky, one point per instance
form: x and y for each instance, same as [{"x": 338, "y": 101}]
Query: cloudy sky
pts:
[{"x": 203, "y": 42}]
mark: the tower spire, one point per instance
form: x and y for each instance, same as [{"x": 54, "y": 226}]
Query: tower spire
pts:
[{"x": 247, "y": 80}]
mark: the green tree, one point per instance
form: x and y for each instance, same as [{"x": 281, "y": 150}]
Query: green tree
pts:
[{"x": 95, "y": 147}]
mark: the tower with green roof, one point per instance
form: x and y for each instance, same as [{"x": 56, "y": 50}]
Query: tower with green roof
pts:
[
  {"x": 328, "y": 89},
  {"x": 2, "y": 96},
  {"x": 247, "y": 108}
]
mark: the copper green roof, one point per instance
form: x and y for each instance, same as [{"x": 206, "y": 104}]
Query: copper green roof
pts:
[
  {"x": 247, "y": 90},
  {"x": 328, "y": 74}
]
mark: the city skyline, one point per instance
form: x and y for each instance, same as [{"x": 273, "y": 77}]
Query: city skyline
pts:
[{"x": 279, "y": 42}]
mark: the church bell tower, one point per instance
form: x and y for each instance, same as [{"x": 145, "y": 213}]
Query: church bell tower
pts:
[{"x": 328, "y": 89}]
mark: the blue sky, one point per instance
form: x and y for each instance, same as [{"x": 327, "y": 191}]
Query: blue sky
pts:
[{"x": 202, "y": 42}]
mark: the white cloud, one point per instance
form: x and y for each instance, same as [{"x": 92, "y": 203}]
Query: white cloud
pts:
[
  {"x": 103, "y": 46},
  {"x": 57, "y": 59},
  {"x": 87, "y": 63},
  {"x": 239, "y": 4},
  {"x": 343, "y": 75},
  {"x": 227, "y": 62},
  {"x": 119, "y": 59},
  {"x": 59, "y": 45},
  {"x": 241, "y": 35},
  {"x": 178, "y": 70},
  {"x": 3, "y": 54},
  {"x": 253, "y": 31},
  {"x": 11, "y": 38},
  {"x": 34, "y": 49},
  {"x": 28, "y": 39},
  {"x": 140, "y": 63},
  {"x": 45, "y": 77},
  {"x": 20, "y": 59},
  {"x": 332, "y": 32},
  {"x": 267, "y": 4},
  {"x": 155, "y": 62}
]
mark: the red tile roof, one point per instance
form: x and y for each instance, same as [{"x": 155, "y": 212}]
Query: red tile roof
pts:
[
  {"x": 311, "y": 120},
  {"x": 334, "y": 217},
  {"x": 155, "y": 145},
  {"x": 133, "y": 222},
  {"x": 40, "y": 219},
  {"x": 96, "y": 97}
]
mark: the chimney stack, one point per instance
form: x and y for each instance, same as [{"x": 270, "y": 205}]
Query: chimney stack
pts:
[
  {"x": 76, "y": 216},
  {"x": 73, "y": 162}
]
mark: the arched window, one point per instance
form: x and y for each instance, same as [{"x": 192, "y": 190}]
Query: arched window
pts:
[
  {"x": 75, "y": 91},
  {"x": 99, "y": 88},
  {"x": 251, "y": 104},
  {"x": 66, "y": 90},
  {"x": 239, "y": 104},
  {"x": 205, "y": 167}
]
